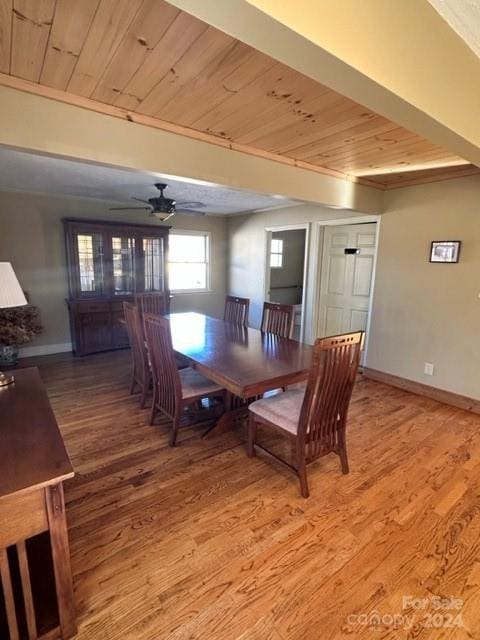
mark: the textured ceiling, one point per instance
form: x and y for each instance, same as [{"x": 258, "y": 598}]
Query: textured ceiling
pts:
[
  {"x": 26, "y": 172},
  {"x": 464, "y": 18}
]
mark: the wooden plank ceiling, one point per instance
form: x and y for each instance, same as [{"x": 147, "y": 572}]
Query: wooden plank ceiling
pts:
[{"x": 146, "y": 58}]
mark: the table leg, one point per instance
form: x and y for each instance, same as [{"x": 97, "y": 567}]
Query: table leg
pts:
[
  {"x": 235, "y": 409},
  {"x": 8, "y": 595},
  {"x": 61, "y": 559}
]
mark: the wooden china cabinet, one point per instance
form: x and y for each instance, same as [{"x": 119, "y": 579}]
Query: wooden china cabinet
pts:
[{"x": 108, "y": 263}]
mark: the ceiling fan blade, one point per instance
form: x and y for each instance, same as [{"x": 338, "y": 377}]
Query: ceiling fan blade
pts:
[
  {"x": 130, "y": 208},
  {"x": 189, "y": 204},
  {"x": 190, "y": 212},
  {"x": 140, "y": 200}
]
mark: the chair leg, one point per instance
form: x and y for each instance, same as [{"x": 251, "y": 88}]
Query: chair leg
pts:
[
  {"x": 302, "y": 473},
  {"x": 143, "y": 397},
  {"x": 252, "y": 432},
  {"x": 154, "y": 405},
  {"x": 343, "y": 455},
  {"x": 174, "y": 432},
  {"x": 132, "y": 383}
]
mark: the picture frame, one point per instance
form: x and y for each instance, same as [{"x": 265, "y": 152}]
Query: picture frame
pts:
[{"x": 445, "y": 251}]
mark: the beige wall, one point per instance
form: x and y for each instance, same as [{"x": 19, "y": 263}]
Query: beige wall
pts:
[
  {"x": 247, "y": 240},
  {"x": 426, "y": 312},
  {"x": 31, "y": 237}
]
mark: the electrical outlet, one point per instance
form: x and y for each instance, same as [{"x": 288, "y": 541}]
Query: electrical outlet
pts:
[{"x": 428, "y": 370}]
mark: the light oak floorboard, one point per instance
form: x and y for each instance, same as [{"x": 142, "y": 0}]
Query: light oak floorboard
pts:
[{"x": 200, "y": 542}]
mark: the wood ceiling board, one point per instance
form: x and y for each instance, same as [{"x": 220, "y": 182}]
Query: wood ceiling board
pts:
[
  {"x": 276, "y": 93},
  {"x": 211, "y": 47},
  {"x": 69, "y": 30},
  {"x": 30, "y": 31},
  {"x": 190, "y": 103},
  {"x": 5, "y": 34},
  {"x": 267, "y": 95},
  {"x": 302, "y": 115},
  {"x": 108, "y": 28},
  {"x": 377, "y": 151},
  {"x": 335, "y": 120},
  {"x": 144, "y": 34},
  {"x": 309, "y": 131},
  {"x": 376, "y": 145},
  {"x": 178, "y": 38},
  {"x": 344, "y": 137},
  {"x": 252, "y": 90},
  {"x": 423, "y": 176},
  {"x": 147, "y": 57},
  {"x": 396, "y": 159}
]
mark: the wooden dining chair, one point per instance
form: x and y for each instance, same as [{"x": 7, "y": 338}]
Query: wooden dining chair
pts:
[
  {"x": 155, "y": 303},
  {"x": 315, "y": 418},
  {"x": 173, "y": 389},
  {"x": 278, "y": 319},
  {"x": 141, "y": 374},
  {"x": 236, "y": 310}
]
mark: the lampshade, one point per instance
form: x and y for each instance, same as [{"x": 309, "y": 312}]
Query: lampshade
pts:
[{"x": 11, "y": 294}]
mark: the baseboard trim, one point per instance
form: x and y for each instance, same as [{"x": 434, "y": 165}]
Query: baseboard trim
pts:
[
  {"x": 44, "y": 350},
  {"x": 441, "y": 395}
]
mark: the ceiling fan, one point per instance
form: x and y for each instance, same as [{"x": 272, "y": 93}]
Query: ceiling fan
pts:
[{"x": 164, "y": 208}]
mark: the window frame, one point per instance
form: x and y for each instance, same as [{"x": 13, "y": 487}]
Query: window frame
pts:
[
  {"x": 208, "y": 263},
  {"x": 276, "y": 253}
]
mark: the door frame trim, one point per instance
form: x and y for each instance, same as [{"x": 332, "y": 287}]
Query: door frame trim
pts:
[
  {"x": 318, "y": 249},
  {"x": 268, "y": 236}
]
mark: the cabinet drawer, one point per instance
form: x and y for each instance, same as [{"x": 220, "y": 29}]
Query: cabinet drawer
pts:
[
  {"x": 117, "y": 305},
  {"x": 93, "y": 307}
]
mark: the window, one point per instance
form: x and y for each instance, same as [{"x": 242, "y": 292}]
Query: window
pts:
[
  {"x": 189, "y": 261},
  {"x": 276, "y": 254}
]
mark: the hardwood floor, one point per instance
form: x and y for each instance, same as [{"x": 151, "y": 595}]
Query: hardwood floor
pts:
[{"x": 199, "y": 542}]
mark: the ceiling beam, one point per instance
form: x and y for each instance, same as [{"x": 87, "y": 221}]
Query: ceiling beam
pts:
[
  {"x": 83, "y": 129},
  {"x": 399, "y": 59}
]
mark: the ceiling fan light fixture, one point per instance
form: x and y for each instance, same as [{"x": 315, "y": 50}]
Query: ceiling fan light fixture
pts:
[
  {"x": 162, "y": 215},
  {"x": 164, "y": 208}
]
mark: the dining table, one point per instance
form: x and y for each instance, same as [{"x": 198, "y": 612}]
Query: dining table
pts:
[{"x": 245, "y": 361}]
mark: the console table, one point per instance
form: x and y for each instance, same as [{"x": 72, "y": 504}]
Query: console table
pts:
[{"x": 36, "y": 595}]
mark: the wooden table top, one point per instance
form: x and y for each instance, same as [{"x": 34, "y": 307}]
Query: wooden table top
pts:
[
  {"x": 244, "y": 360},
  {"x": 32, "y": 451}
]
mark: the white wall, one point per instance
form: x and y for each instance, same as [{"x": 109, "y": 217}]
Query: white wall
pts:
[
  {"x": 425, "y": 312},
  {"x": 31, "y": 237}
]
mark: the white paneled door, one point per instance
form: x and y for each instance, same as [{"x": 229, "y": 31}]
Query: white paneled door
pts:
[{"x": 346, "y": 281}]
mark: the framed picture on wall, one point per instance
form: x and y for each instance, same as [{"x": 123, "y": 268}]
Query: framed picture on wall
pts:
[{"x": 445, "y": 251}]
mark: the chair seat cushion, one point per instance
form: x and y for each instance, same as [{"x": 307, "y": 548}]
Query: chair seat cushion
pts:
[
  {"x": 282, "y": 410},
  {"x": 194, "y": 384}
]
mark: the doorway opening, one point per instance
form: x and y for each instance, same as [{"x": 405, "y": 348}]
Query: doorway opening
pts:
[
  {"x": 346, "y": 281},
  {"x": 286, "y": 270}
]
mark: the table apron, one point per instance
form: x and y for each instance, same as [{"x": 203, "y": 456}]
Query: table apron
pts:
[{"x": 250, "y": 390}]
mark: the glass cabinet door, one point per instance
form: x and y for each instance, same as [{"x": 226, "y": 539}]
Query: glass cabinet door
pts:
[
  {"x": 90, "y": 263},
  {"x": 153, "y": 264},
  {"x": 123, "y": 264}
]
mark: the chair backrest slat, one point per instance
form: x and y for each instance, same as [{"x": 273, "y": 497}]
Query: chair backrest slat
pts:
[
  {"x": 236, "y": 310},
  {"x": 329, "y": 389},
  {"x": 278, "y": 319},
  {"x": 135, "y": 337},
  {"x": 154, "y": 303},
  {"x": 168, "y": 389}
]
